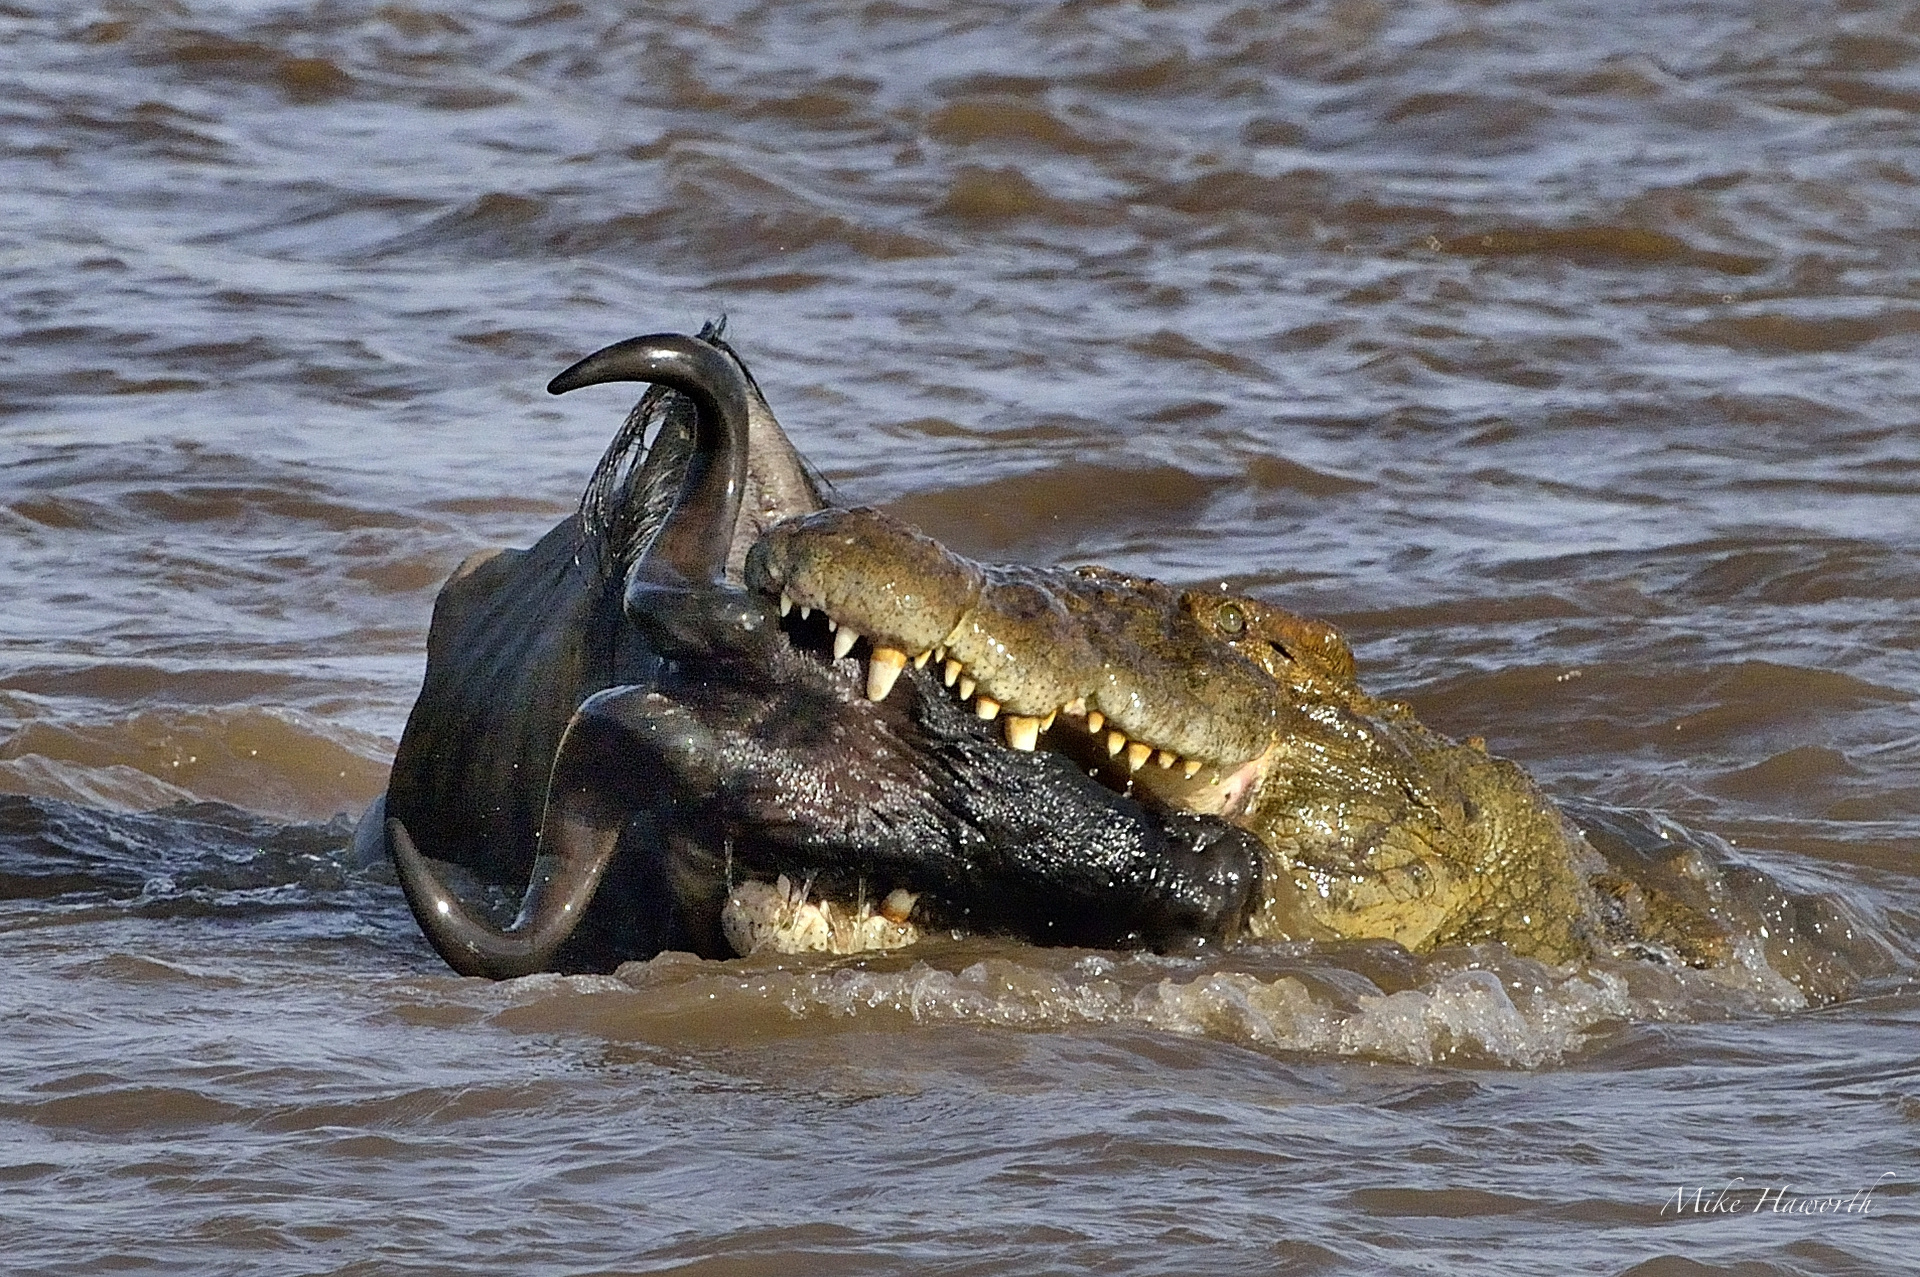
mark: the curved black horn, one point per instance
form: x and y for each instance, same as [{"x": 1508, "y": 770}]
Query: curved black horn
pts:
[
  {"x": 690, "y": 550},
  {"x": 579, "y": 831}
]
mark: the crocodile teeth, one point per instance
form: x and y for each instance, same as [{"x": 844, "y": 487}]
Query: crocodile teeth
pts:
[
  {"x": 1116, "y": 741},
  {"x": 1137, "y": 755},
  {"x": 966, "y": 688},
  {"x": 1191, "y": 769},
  {"x": 882, "y": 670},
  {"x": 1165, "y": 758},
  {"x": 1075, "y": 707},
  {"x": 987, "y": 707},
  {"x": 1047, "y": 722},
  {"x": 949, "y": 672},
  {"x": 1095, "y": 721},
  {"x": 898, "y": 906},
  {"x": 920, "y": 661},
  {"x": 786, "y": 603},
  {"x": 940, "y": 653},
  {"x": 1022, "y": 733},
  {"x": 832, "y": 625},
  {"x": 805, "y": 611},
  {"x": 843, "y": 641}
]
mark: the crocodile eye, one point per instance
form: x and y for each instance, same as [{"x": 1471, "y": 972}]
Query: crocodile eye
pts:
[{"x": 1232, "y": 621}]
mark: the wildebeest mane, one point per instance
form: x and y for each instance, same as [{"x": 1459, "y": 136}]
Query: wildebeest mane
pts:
[{"x": 633, "y": 486}]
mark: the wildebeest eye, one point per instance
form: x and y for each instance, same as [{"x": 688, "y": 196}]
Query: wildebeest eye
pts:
[{"x": 1231, "y": 619}]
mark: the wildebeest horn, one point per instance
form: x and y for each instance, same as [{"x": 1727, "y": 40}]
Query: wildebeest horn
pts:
[
  {"x": 690, "y": 550},
  {"x": 578, "y": 834},
  {"x": 581, "y": 828},
  {"x": 685, "y": 560}
]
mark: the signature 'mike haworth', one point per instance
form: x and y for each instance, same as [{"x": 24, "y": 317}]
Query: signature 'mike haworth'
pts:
[{"x": 1736, "y": 1198}]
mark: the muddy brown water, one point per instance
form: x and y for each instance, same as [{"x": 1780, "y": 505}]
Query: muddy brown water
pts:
[{"x": 1562, "y": 354}]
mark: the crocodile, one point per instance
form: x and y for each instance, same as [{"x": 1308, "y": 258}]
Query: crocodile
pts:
[{"x": 1373, "y": 826}]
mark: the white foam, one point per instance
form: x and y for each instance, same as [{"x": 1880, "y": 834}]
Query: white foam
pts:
[
  {"x": 1474, "y": 1005},
  {"x": 1468, "y": 1014}
]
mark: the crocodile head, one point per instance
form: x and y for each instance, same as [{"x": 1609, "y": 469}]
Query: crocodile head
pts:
[
  {"x": 1375, "y": 827},
  {"x": 1136, "y": 680}
]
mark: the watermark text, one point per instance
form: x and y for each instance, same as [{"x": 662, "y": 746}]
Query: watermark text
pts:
[{"x": 1737, "y": 1197}]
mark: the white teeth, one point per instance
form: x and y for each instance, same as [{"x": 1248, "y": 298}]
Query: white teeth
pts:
[
  {"x": 1137, "y": 755},
  {"x": 987, "y": 707},
  {"x": 843, "y": 641},
  {"x": 1095, "y": 721},
  {"x": 882, "y": 670},
  {"x": 1075, "y": 707},
  {"x": 940, "y": 653},
  {"x": 920, "y": 661},
  {"x": 805, "y": 611},
  {"x": 786, "y": 603},
  {"x": 1116, "y": 741},
  {"x": 966, "y": 688},
  {"x": 832, "y": 625},
  {"x": 898, "y": 906},
  {"x": 1047, "y": 722},
  {"x": 1022, "y": 733},
  {"x": 949, "y": 672},
  {"x": 1165, "y": 758},
  {"x": 1192, "y": 768}
]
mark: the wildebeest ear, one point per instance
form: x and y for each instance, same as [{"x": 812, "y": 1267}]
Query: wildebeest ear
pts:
[{"x": 474, "y": 584}]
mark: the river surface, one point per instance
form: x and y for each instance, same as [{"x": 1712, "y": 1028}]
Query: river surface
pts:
[{"x": 1564, "y": 355}]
